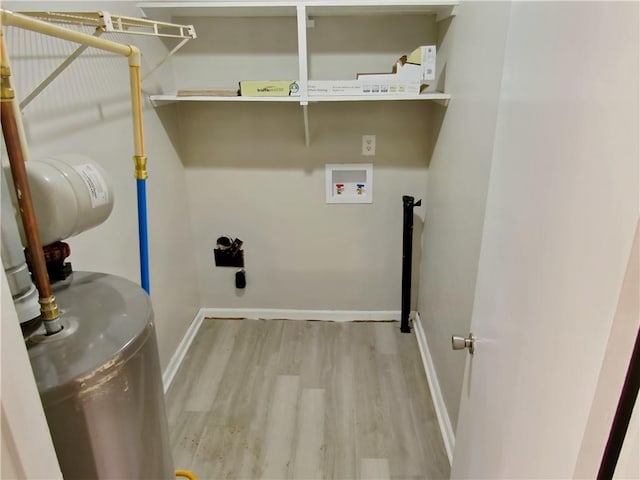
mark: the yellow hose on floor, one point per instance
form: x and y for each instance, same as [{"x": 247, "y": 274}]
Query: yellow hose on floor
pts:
[{"x": 186, "y": 474}]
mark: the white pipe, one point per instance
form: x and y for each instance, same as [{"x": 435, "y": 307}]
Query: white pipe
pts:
[
  {"x": 136, "y": 110},
  {"x": 16, "y": 109},
  {"x": 305, "y": 113},
  {"x": 23, "y": 291}
]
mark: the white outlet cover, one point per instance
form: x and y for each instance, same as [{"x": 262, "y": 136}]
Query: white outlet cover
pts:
[{"x": 368, "y": 145}]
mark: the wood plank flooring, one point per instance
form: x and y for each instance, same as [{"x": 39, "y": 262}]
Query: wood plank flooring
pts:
[{"x": 280, "y": 399}]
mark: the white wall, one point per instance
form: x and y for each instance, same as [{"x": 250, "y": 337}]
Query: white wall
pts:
[
  {"x": 231, "y": 49},
  {"x": 87, "y": 110},
  {"x": 250, "y": 175},
  {"x": 457, "y": 186}
]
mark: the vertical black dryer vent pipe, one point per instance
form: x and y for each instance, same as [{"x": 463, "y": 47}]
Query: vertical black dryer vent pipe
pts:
[{"x": 408, "y": 203}]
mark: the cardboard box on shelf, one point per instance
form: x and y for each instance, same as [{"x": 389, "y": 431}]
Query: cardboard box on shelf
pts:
[
  {"x": 428, "y": 54},
  {"x": 361, "y": 87},
  {"x": 334, "y": 87},
  {"x": 422, "y": 62},
  {"x": 411, "y": 75},
  {"x": 418, "y": 67},
  {"x": 277, "y": 88},
  {"x": 208, "y": 92}
]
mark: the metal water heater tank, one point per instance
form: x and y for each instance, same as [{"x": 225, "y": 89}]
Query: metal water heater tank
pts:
[{"x": 100, "y": 382}]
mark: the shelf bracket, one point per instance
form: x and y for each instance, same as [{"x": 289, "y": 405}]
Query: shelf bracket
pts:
[
  {"x": 447, "y": 12},
  {"x": 113, "y": 23},
  {"x": 305, "y": 113},
  {"x": 166, "y": 57}
]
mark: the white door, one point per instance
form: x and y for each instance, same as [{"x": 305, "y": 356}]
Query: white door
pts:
[{"x": 561, "y": 213}]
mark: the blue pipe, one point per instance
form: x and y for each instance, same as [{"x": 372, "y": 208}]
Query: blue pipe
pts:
[{"x": 143, "y": 238}]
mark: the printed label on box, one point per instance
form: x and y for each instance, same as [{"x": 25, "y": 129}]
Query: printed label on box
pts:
[{"x": 279, "y": 88}]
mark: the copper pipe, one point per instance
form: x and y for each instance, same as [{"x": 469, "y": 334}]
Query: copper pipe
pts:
[
  {"x": 48, "y": 307},
  {"x": 18, "y": 112}
]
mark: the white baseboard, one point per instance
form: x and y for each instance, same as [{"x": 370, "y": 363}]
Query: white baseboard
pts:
[
  {"x": 325, "y": 315},
  {"x": 181, "y": 351},
  {"x": 436, "y": 393}
]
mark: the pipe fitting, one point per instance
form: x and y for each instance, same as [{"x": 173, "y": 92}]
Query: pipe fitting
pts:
[
  {"x": 6, "y": 92},
  {"x": 50, "y": 315},
  {"x": 135, "y": 56},
  {"x": 140, "y": 163},
  {"x": 49, "y": 308}
]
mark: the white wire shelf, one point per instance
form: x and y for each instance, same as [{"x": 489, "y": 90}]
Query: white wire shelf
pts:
[
  {"x": 114, "y": 23},
  {"x": 258, "y": 8},
  {"x": 440, "y": 97},
  {"x": 105, "y": 22}
]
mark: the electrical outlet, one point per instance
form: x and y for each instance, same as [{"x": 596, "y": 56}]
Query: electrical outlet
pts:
[{"x": 368, "y": 145}]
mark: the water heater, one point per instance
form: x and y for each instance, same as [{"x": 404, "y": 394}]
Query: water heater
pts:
[
  {"x": 99, "y": 377},
  {"x": 100, "y": 382}
]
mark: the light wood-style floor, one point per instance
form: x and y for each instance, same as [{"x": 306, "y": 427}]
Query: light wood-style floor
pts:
[{"x": 290, "y": 399}]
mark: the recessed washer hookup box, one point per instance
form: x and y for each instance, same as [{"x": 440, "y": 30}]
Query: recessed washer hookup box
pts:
[{"x": 349, "y": 182}]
